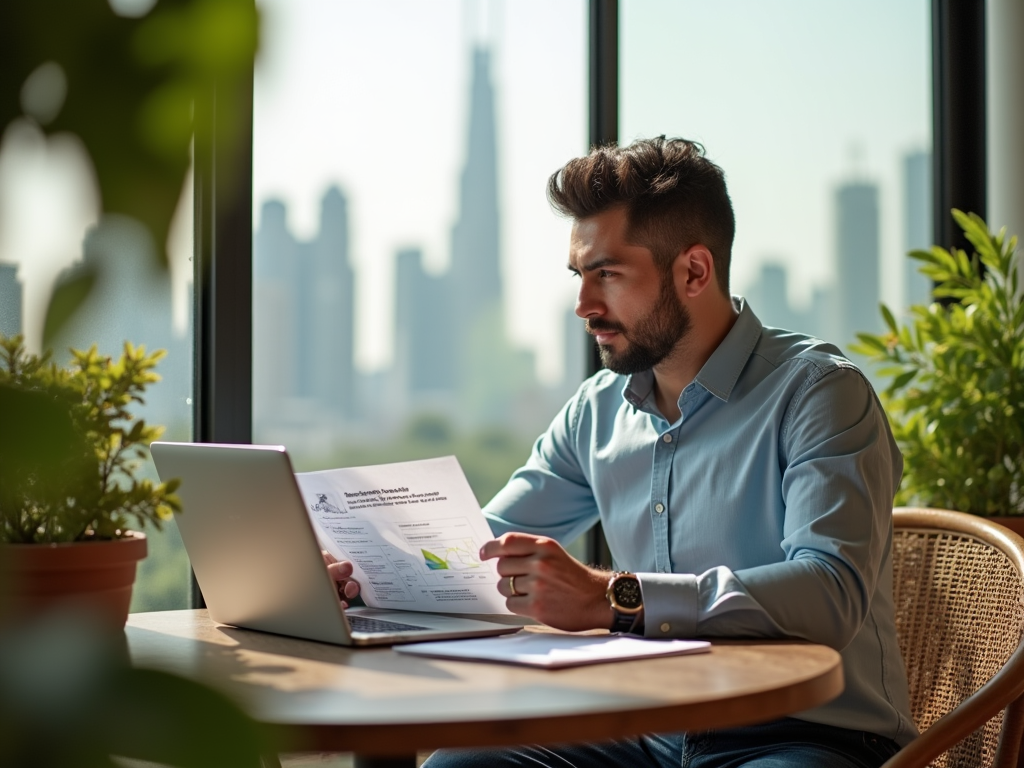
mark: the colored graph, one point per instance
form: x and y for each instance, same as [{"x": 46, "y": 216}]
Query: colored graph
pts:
[{"x": 455, "y": 556}]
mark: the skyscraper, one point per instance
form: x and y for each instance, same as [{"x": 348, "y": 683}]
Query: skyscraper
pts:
[
  {"x": 275, "y": 325},
  {"x": 451, "y": 341},
  {"x": 475, "y": 264},
  {"x": 304, "y": 318},
  {"x": 917, "y": 224},
  {"x": 424, "y": 354},
  {"x": 769, "y": 298},
  {"x": 10, "y": 300},
  {"x": 331, "y": 368},
  {"x": 857, "y": 261}
]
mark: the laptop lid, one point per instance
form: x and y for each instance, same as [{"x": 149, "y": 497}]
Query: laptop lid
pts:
[{"x": 252, "y": 548}]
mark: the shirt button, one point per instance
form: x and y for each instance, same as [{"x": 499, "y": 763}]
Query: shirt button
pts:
[
  {"x": 659, "y": 508},
  {"x": 665, "y": 627},
  {"x": 667, "y": 438}
]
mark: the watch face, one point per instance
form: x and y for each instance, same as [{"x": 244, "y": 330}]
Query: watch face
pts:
[{"x": 627, "y": 593}]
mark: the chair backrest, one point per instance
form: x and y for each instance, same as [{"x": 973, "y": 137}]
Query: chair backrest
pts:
[{"x": 959, "y": 596}]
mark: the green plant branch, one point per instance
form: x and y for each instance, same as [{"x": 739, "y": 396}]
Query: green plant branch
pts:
[
  {"x": 89, "y": 490},
  {"x": 955, "y": 399}
]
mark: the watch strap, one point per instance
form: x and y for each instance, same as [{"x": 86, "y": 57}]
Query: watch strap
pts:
[{"x": 624, "y": 622}]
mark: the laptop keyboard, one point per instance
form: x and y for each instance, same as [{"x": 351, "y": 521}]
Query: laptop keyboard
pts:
[{"x": 375, "y": 626}]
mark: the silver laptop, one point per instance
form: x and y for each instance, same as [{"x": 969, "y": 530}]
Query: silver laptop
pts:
[{"x": 257, "y": 559}]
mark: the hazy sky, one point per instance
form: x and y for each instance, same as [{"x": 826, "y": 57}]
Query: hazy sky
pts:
[
  {"x": 372, "y": 96},
  {"x": 791, "y": 97}
]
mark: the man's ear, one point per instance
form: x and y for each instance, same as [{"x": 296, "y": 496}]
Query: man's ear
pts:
[{"x": 693, "y": 271}]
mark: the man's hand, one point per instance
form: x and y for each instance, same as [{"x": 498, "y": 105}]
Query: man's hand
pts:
[
  {"x": 341, "y": 572},
  {"x": 550, "y": 585}
]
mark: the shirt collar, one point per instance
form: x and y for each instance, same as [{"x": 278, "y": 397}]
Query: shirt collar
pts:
[{"x": 721, "y": 371}]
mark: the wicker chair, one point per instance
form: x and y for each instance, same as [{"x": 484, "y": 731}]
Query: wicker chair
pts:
[{"x": 959, "y": 596}]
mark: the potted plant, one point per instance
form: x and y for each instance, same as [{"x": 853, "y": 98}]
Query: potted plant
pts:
[
  {"x": 956, "y": 398},
  {"x": 70, "y": 484}
]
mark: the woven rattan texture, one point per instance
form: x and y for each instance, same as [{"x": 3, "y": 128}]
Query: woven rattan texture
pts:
[{"x": 959, "y": 616}]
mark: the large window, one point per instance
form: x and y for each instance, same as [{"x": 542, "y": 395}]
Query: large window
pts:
[
  {"x": 819, "y": 113},
  {"x": 410, "y": 295}
]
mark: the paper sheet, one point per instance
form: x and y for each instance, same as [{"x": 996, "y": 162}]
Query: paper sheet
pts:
[
  {"x": 554, "y": 651},
  {"x": 413, "y": 532}
]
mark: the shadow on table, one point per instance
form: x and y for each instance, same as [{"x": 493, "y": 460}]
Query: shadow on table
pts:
[{"x": 229, "y": 658}]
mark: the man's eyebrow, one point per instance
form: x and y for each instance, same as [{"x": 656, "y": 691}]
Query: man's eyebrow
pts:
[{"x": 607, "y": 261}]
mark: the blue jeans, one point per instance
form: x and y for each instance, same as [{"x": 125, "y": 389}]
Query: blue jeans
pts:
[{"x": 786, "y": 743}]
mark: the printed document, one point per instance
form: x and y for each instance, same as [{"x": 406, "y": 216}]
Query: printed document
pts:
[
  {"x": 555, "y": 651},
  {"x": 413, "y": 532}
]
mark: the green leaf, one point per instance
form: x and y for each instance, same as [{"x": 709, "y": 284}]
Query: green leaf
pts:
[
  {"x": 870, "y": 346},
  {"x": 890, "y": 321},
  {"x": 902, "y": 380}
]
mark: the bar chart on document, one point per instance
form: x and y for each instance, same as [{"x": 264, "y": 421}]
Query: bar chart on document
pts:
[{"x": 412, "y": 531}]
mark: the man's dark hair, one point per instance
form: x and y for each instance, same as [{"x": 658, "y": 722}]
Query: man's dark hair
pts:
[{"x": 673, "y": 195}]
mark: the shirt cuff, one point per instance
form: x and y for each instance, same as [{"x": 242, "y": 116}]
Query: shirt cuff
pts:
[{"x": 670, "y": 604}]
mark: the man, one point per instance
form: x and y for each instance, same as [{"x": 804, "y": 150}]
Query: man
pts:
[{"x": 743, "y": 475}]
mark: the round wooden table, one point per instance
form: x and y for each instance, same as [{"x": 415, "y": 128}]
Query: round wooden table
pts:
[{"x": 381, "y": 704}]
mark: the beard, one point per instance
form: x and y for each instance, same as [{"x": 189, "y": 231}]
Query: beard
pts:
[{"x": 651, "y": 339}]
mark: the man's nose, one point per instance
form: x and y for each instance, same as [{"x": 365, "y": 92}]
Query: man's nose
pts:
[{"x": 588, "y": 302}]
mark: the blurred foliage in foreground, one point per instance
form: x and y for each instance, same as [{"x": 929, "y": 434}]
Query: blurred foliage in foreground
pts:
[
  {"x": 135, "y": 91},
  {"x": 68, "y": 697}
]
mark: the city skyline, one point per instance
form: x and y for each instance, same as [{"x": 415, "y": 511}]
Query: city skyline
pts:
[
  {"x": 452, "y": 350},
  {"x": 321, "y": 118},
  {"x": 838, "y": 311},
  {"x": 448, "y": 329}
]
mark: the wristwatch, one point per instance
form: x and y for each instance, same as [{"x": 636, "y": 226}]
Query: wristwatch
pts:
[{"x": 626, "y": 600}]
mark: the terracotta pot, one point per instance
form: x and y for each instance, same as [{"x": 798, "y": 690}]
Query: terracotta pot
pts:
[{"x": 93, "y": 576}]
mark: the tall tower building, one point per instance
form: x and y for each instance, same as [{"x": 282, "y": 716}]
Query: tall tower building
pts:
[
  {"x": 769, "y": 298},
  {"x": 274, "y": 323},
  {"x": 451, "y": 342},
  {"x": 917, "y": 224},
  {"x": 331, "y": 318},
  {"x": 304, "y": 319},
  {"x": 857, "y": 261},
  {"x": 10, "y": 301},
  {"x": 475, "y": 264},
  {"x": 424, "y": 354}
]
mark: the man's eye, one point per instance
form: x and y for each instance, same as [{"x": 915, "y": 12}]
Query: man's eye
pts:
[{"x": 605, "y": 273}]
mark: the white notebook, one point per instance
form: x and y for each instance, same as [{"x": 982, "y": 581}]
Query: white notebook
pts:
[{"x": 554, "y": 651}]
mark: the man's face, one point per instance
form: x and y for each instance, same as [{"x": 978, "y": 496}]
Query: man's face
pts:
[{"x": 629, "y": 302}]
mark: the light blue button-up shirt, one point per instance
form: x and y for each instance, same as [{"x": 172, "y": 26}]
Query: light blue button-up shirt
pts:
[{"x": 763, "y": 511}]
